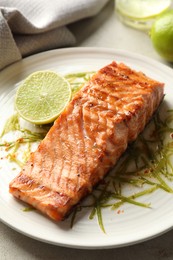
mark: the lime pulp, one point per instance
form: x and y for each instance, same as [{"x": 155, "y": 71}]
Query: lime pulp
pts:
[{"x": 42, "y": 96}]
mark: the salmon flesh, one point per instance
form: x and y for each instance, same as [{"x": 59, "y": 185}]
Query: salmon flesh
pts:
[{"x": 87, "y": 139}]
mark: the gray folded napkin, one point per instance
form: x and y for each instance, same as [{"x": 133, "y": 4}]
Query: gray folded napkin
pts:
[{"x": 31, "y": 26}]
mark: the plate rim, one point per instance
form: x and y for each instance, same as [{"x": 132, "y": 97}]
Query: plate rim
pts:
[{"x": 88, "y": 49}]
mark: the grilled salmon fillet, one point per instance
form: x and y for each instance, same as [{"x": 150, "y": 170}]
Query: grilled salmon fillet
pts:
[{"x": 87, "y": 139}]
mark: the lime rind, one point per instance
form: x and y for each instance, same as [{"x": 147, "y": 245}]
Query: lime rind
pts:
[
  {"x": 142, "y": 18},
  {"x": 42, "y": 97}
]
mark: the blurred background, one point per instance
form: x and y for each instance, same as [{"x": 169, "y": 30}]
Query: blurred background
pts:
[{"x": 107, "y": 30}]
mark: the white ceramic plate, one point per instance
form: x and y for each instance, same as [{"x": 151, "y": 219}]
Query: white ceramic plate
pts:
[{"x": 135, "y": 224}]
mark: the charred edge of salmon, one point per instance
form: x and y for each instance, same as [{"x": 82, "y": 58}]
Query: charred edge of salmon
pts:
[
  {"x": 57, "y": 205},
  {"x": 47, "y": 195}
]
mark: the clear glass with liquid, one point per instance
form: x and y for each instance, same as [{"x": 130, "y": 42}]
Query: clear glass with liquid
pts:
[{"x": 140, "y": 13}]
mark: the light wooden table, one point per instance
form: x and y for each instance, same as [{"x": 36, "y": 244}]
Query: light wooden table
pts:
[{"x": 105, "y": 30}]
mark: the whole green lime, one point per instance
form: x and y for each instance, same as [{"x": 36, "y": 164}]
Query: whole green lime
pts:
[{"x": 162, "y": 35}]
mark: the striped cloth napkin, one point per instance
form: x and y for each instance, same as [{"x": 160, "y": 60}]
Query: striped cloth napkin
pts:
[{"x": 31, "y": 26}]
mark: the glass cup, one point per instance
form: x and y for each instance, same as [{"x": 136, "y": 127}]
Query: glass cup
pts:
[{"x": 140, "y": 13}]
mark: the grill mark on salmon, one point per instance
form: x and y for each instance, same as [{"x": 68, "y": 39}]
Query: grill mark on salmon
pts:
[{"x": 87, "y": 139}]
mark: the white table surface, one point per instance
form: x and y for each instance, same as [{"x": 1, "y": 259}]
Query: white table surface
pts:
[{"x": 104, "y": 30}]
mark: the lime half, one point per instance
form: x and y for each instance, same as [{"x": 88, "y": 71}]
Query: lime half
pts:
[{"x": 42, "y": 96}]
